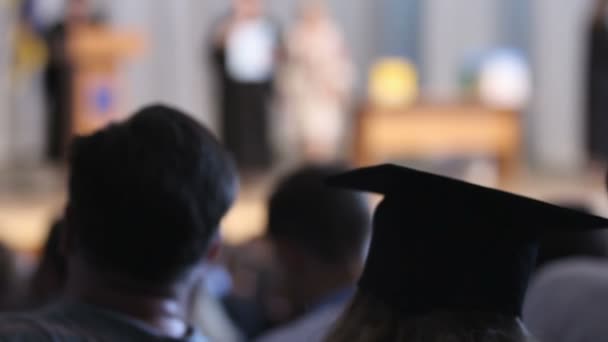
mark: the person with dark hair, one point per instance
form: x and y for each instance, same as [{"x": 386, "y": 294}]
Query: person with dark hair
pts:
[
  {"x": 448, "y": 260},
  {"x": 320, "y": 236},
  {"x": 146, "y": 197}
]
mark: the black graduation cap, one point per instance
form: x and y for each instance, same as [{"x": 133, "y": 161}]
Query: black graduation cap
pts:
[{"x": 444, "y": 244}]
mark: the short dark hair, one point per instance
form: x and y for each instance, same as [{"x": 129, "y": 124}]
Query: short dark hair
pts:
[
  {"x": 330, "y": 223},
  {"x": 146, "y": 196}
]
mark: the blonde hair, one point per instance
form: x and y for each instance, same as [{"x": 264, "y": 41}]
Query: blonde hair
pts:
[{"x": 368, "y": 319}]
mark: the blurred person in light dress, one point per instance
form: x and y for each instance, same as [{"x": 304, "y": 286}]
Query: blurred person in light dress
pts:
[{"x": 315, "y": 83}]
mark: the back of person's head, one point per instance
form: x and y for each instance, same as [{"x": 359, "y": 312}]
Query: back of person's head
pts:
[
  {"x": 330, "y": 224},
  {"x": 146, "y": 196},
  {"x": 368, "y": 319}
]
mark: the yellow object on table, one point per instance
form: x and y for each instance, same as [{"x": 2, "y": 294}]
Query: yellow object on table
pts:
[{"x": 393, "y": 82}]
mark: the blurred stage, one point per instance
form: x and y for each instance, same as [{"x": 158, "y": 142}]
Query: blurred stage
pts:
[{"x": 31, "y": 199}]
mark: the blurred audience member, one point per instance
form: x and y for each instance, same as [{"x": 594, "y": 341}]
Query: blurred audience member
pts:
[
  {"x": 320, "y": 237},
  {"x": 245, "y": 47},
  {"x": 448, "y": 261},
  {"x": 597, "y": 82},
  {"x": 47, "y": 282},
  {"x": 569, "y": 294},
  {"x": 316, "y": 82},
  {"x": 145, "y": 200},
  {"x": 567, "y": 301}
]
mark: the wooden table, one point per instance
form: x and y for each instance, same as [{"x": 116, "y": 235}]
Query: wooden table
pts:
[{"x": 437, "y": 130}]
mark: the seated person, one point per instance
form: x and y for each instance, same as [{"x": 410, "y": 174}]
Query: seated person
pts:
[
  {"x": 448, "y": 260},
  {"x": 320, "y": 236},
  {"x": 567, "y": 301},
  {"x": 568, "y": 296},
  {"x": 146, "y": 197}
]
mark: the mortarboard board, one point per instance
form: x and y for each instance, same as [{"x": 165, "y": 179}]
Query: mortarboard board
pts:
[{"x": 441, "y": 244}]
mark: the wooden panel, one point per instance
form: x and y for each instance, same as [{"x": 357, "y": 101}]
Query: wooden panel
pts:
[
  {"x": 427, "y": 130},
  {"x": 98, "y": 91}
]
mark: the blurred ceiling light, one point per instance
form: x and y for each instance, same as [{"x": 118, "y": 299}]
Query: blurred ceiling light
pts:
[
  {"x": 393, "y": 83},
  {"x": 505, "y": 80}
]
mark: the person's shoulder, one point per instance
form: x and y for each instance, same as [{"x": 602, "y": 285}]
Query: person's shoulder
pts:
[
  {"x": 23, "y": 328},
  {"x": 309, "y": 328}
]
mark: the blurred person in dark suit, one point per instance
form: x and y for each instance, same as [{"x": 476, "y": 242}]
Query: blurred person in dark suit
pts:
[
  {"x": 58, "y": 77},
  {"x": 244, "y": 50},
  {"x": 597, "y": 82},
  {"x": 320, "y": 237},
  {"x": 146, "y": 197}
]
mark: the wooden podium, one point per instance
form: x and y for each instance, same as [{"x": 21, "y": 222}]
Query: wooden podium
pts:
[
  {"x": 98, "y": 95},
  {"x": 435, "y": 129}
]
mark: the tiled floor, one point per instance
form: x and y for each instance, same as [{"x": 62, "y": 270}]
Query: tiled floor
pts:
[{"x": 30, "y": 199}]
